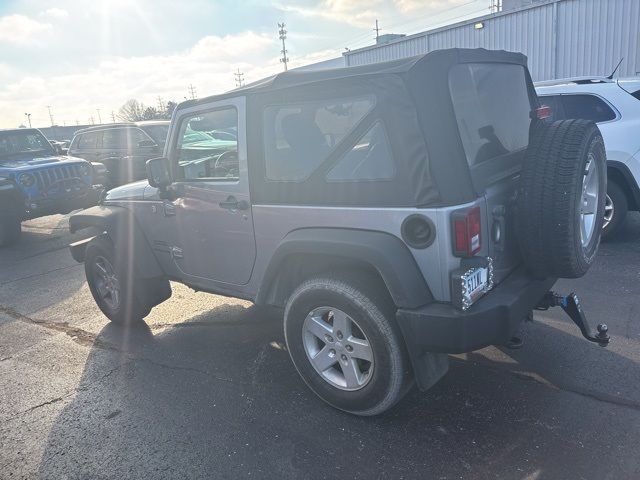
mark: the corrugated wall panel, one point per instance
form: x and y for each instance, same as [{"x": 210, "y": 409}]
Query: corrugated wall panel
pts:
[{"x": 592, "y": 35}]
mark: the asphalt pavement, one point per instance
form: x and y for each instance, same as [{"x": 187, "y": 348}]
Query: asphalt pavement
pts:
[{"x": 206, "y": 389}]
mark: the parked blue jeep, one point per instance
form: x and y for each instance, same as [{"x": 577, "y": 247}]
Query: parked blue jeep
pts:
[{"x": 36, "y": 181}]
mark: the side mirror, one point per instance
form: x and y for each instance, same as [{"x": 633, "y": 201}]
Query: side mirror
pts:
[
  {"x": 147, "y": 143},
  {"x": 158, "y": 173}
]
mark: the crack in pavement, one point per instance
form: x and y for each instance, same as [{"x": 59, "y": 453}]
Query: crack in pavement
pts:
[
  {"x": 78, "y": 335},
  {"x": 34, "y": 255},
  {"x": 42, "y": 274},
  {"x": 564, "y": 387},
  {"x": 49, "y": 402}
]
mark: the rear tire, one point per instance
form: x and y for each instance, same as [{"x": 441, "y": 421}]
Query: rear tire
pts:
[
  {"x": 369, "y": 370},
  {"x": 561, "y": 199},
  {"x": 115, "y": 290},
  {"x": 616, "y": 208},
  {"x": 10, "y": 228}
]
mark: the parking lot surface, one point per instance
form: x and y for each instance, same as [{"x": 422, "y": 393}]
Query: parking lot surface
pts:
[{"x": 206, "y": 389}]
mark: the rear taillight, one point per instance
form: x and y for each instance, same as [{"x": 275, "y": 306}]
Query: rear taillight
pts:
[
  {"x": 543, "y": 112},
  {"x": 467, "y": 232}
]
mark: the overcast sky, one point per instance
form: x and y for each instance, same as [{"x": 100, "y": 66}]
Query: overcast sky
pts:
[{"x": 82, "y": 55}]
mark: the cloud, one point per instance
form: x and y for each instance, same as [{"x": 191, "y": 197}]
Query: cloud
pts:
[
  {"x": 58, "y": 13},
  {"x": 20, "y": 29},
  {"x": 359, "y": 13},
  {"x": 208, "y": 65},
  {"x": 411, "y": 6}
]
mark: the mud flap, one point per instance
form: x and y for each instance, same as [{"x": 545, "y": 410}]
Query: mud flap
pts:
[{"x": 429, "y": 368}]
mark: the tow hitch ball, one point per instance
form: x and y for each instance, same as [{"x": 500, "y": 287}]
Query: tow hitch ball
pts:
[{"x": 571, "y": 305}]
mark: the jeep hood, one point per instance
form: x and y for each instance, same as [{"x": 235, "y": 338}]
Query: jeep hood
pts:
[
  {"x": 132, "y": 191},
  {"x": 26, "y": 162}
]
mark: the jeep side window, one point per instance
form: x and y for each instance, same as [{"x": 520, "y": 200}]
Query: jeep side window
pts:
[
  {"x": 113, "y": 138},
  {"x": 369, "y": 159},
  {"x": 87, "y": 141},
  {"x": 493, "y": 109},
  {"x": 299, "y": 137},
  {"x": 134, "y": 136},
  {"x": 203, "y": 155},
  {"x": 587, "y": 107}
]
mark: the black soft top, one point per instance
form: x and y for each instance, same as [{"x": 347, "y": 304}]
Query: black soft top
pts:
[
  {"x": 436, "y": 61},
  {"x": 413, "y": 101}
]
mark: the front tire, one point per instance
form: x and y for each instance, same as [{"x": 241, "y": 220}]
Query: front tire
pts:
[
  {"x": 113, "y": 287},
  {"x": 342, "y": 337}
]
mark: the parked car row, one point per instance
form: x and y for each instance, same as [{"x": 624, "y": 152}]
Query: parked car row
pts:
[{"x": 42, "y": 177}]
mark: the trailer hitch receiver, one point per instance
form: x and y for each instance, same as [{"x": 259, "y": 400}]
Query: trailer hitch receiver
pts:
[{"x": 571, "y": 305}]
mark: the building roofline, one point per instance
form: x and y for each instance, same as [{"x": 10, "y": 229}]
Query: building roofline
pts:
[{"x": 443, "y": 28}]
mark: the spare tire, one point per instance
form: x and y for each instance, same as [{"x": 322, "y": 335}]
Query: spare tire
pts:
[{"x": 561, "y": 198}]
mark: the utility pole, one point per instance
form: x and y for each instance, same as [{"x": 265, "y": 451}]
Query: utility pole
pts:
[
  {"x": 28, "y": 118},
  {"x": 161, "y": 105},
  {"x": 77, "y": 122},
  {"x": 282, "y": 35},
  {"x": 496, "y": 6},
  {"x": 91, "y": 120},
  {"x": 192, "y": 91},
  {"x": 99, "y": 117},
  {"x": 113, "y": 116},
  {"x": 50, "y": 115},
  {"x": 377, "y": 30},
  {"x": 239, "y": 78}
]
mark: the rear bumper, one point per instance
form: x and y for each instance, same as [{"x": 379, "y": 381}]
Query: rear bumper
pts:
[{"x": 493, "y": 320}]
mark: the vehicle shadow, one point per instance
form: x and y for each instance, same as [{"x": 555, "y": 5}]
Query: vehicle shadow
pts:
[{"x": 217, "y": 397}]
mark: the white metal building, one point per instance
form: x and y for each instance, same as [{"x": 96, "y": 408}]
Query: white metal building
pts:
[{"x": 561, "y": 38}]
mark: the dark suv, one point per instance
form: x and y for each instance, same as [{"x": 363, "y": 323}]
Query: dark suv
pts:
[
  {"x": 35, "y": 181},
  {"x": 397, "y": 212},
  {"x": 123, "y": 148}
]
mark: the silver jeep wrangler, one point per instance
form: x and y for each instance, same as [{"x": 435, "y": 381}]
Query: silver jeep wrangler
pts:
[{"x": 397, "y": 212}]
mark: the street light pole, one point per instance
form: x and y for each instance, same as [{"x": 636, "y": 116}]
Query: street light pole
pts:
[{"x": 28, "y": 118}]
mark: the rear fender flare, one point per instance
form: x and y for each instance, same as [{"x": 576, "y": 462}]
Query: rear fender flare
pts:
[{"x": 385, "y": 253}]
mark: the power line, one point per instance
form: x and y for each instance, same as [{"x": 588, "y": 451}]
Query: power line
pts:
[
  {"x": 192, "y": 92},
  {"x": 50, "y": 115},
  {"x": 282, "y": 35},
  {"x": 239, "y": 76}
]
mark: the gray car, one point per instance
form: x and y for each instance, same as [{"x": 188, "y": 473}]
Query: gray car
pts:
[{"x": 397, "y": 212}]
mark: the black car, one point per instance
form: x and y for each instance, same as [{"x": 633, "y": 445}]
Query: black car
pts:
[{"x": 123, "y": 148}]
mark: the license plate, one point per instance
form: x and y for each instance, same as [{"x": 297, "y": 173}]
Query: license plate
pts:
[{"x": 475, "y": 284}]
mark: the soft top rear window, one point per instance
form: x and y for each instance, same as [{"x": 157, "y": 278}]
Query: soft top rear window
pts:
[{"x": 492, "y": 107}]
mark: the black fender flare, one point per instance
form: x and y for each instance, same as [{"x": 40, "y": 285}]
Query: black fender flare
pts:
[
  {"x": 124, "y": 231},
  {"x": 384, "y": 252}
]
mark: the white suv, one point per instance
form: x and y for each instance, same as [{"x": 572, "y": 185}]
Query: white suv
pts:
[{"x": 615, "y": 106}]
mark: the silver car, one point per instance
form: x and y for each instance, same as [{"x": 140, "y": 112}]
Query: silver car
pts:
[{"x": 397, "y": 212}]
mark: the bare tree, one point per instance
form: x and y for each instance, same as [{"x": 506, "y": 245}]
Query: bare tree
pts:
[{"x": 131, "y": 111}]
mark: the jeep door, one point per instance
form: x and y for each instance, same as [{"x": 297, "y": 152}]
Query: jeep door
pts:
[{"x": 209, "y": 227}]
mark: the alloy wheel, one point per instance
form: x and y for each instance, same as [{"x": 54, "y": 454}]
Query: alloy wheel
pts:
[{"x": 337, "y": 348}]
